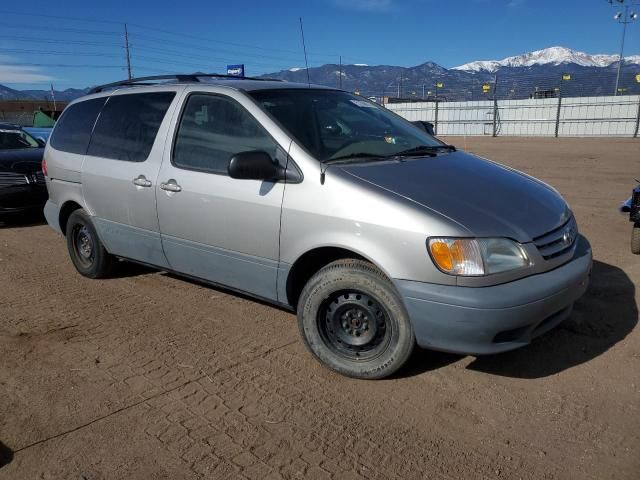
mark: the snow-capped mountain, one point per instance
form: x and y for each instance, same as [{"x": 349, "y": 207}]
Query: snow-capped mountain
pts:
[
  {"x": 519, "y": 77},
  {"x": 548, "y": 56}
]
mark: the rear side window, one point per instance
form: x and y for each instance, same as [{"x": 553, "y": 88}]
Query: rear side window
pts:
[
  {"x": 73, "y": 130},
  {"x": 212, "y": 130},
  {"x": 128, "y": 125}
]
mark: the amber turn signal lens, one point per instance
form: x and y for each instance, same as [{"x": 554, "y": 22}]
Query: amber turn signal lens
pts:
[
  {"x": 441, "y": 254},
  {"x": 457, "y": 256}
]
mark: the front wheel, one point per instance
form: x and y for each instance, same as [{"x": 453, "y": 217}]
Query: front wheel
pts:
[
  {"x": 354, "y": 322},
  {"x": 635, "y": 239},
  {"x": 86, "y": 250}
]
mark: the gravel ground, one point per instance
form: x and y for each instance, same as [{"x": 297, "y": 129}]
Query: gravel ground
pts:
[{"x": 150, "y": 376}]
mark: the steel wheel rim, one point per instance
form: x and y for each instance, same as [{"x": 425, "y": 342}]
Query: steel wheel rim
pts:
[
  {"x": 83, "y": 245},
  {"x": 354, "y": 325}
]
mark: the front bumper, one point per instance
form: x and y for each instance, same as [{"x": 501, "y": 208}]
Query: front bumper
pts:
[
  {"x": 485, "y": 320},
  {"x": 22, "y": 198}
]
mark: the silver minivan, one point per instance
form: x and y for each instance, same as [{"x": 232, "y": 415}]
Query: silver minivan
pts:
[{"x": 377, "y": 234}]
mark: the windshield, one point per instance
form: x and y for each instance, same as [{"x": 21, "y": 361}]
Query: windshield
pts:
[
  {"x": 14, "y": 139},
  {"x": 332, "y": 124}
]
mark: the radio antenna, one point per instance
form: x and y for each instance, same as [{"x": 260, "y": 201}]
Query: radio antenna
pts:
[{"x": 304, "y": 48}]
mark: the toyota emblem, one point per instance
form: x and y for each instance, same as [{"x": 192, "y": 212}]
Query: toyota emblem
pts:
[{"x": 568, "y": 236}]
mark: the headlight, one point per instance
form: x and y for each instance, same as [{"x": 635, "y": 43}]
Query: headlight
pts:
[{"x": 474, "y": 257}]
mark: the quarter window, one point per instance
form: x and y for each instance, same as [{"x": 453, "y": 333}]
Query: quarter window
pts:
[
  {"x": 128, "y": 125},
  {"x": 212, "y": 130},
  {"x": 72, "y": 132}
]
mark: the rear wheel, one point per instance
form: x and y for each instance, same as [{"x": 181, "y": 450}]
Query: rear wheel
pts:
[
  {"x": 635, "y": 239},
  {"x": 353, "y": 320},
  {"x": 86, "y": 250}
]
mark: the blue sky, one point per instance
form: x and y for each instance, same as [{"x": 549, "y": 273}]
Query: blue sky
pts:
[{"x": 74, "y": 44}]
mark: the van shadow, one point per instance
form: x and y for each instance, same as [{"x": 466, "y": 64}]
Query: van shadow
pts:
[
  {"x": 6, "y": 455},
  {"x": 604, "y": 316},
  {"x": 131, "y": 269},
  {"x": 22, "y": 220}
]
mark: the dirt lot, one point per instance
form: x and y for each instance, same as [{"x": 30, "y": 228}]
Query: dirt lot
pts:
[{"x": 149, "y": 376}]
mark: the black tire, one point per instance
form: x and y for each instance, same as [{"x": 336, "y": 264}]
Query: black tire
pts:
[
  {"x": 86, "y": 250},
  {"x": 635, "y": 239},
  {"x": 353, "y": 321}
]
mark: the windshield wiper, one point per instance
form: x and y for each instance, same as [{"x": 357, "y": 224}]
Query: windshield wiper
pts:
[
  {"x": 354, "y": 156},
  {"x": 431, "y": 150}
]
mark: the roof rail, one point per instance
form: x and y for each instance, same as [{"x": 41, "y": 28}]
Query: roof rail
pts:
[{"x": 181, "y": 78}]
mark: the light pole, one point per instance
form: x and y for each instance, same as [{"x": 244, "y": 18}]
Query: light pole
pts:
[{"x": 624, "y": 18}]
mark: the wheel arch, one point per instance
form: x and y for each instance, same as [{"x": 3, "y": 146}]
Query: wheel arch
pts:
[
  {"x": 307, "y": 264},
  {"x": 66, "y": 210}
]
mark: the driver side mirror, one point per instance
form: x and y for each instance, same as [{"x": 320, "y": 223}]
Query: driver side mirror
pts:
[
  {"x": 41, "y": 141},
  {"x": 256, "y": 165}
]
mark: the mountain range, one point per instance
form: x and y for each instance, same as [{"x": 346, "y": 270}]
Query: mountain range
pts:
[
  {"x": 514, "y": 77},
  {"x": 549, "y": 56}
]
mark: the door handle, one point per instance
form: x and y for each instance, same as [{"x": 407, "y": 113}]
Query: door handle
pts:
[
  {"x": 141, "y": 181},
  {"x": 171, "y": 186}
]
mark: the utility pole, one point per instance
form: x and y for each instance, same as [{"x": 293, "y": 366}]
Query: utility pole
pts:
[
  {"x": 340, "y": 74},
  {"x": 126, "y": 49},
  {"x": 624, "y": 18}
]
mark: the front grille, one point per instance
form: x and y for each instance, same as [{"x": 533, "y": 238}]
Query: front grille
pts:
[
  {"x": 10, "y": 179},
  {"x": 558, "y": 241},
  {"x": 39, "y": 176}
]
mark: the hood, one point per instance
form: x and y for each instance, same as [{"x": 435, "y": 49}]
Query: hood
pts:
[
  {"x": 23, "y": 160},
  {"x": 486, "y": 198}
]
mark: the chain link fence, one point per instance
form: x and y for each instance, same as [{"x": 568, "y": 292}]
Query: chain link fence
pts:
[
  {"x": 562, "y": 117},
  {"x": 564, "y": 105}
]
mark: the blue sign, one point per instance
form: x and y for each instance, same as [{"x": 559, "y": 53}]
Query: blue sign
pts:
[{"x": 236, "y": 70}]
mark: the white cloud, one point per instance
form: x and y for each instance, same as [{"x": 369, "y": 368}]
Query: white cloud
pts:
[
  {"x": 365, "y": 5},
  {"x": 11, "y": 73}
]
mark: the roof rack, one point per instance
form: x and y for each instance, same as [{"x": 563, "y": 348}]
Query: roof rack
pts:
[{"x": 181, "y": 78}]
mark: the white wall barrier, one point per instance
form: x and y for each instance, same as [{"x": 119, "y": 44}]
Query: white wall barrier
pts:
[{"x": 577, "y": 116}]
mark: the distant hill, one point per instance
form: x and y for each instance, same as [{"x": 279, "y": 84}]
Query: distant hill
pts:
[
  {"x": 69, "y": 94},
  {"x": 517, "y": 77}
]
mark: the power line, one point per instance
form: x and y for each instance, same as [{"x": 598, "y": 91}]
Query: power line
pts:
[
  {"x": 69, "y": 42},
  {"x": 145, "y": 38},
  {"x": 53, "y": 52},
  {"x": 58, "y": 29},
  {"x": 199, "y": 64},
  {"x": 61, "y": 65},
  {"x": 200, "y": 47},
  {"x": 230, "y": 43},
  {"x": 208, "y": 58},
  {"x": 169, "y": 32}
]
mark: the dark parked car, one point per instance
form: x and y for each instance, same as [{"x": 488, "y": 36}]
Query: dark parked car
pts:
[
  {"x": 22, "y": 184},
  {"x": 632, "y": 207}
]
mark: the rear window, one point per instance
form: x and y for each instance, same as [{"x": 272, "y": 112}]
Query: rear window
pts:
[
  {"x": 73, "y": 130},
  {"x": 128, "y": 124}
]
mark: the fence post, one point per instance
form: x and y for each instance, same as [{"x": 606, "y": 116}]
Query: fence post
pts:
[
  {"x": 558, "y": 112},
  {"x": 495, "y": 105},
  {"x": 495, "y": 117},
  {"x": 435, "y": 123},
  {"x": 635, "y": 132}
]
